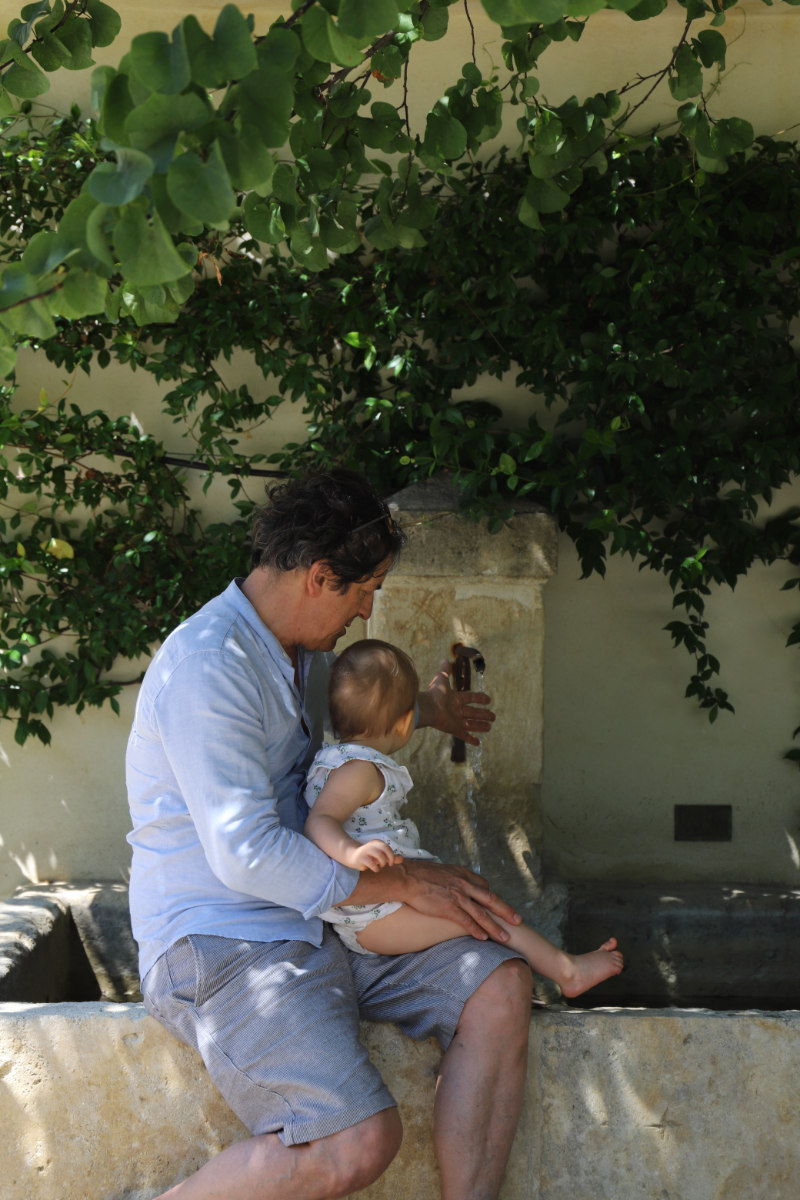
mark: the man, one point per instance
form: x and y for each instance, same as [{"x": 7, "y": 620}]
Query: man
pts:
[{"x": 226, "y": 892}]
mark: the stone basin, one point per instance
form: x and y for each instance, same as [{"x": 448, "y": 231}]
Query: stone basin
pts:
[{"x": 97, "y": 1102}]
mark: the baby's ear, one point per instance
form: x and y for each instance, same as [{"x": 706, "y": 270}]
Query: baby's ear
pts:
[{"x": 405, "y": 725}]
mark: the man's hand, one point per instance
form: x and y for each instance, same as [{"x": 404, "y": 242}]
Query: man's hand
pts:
[
  {"x": 443, "y": 708},
  {"x": 440, "y": 891},
  {"x": 373, "y": 856}
]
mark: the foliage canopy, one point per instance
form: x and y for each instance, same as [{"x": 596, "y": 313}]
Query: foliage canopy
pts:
[{"x": 643, "y": 288}]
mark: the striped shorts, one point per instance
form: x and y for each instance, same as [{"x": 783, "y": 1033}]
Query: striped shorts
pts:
[{"x": 276, "y": 1023}]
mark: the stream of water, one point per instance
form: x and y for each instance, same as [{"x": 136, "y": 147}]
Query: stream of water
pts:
[{"x": 473, "y": 775}]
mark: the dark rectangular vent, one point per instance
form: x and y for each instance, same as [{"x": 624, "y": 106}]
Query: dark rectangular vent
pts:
[{"x": 703, "y": 823}]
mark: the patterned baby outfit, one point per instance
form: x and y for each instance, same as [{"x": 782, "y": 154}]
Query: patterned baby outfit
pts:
[{"x": 379, "y": 820}]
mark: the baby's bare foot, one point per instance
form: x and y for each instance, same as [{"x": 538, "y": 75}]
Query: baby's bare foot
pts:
[{"x": 587, "y": 970}]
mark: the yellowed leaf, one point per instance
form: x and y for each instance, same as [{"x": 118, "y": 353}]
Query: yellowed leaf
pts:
[
  {"x": 43, "y": 399},
  {"x": 58, "y": 548},
  {"x": 20, "y": 550}
]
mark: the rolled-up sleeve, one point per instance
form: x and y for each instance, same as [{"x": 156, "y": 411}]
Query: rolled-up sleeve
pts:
[{"x": 211, "y": 715}]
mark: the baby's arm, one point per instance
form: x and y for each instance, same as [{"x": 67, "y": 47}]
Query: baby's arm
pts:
[{"x": 347, "y": 788}]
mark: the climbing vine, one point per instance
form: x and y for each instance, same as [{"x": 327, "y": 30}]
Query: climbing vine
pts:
[
  {"x": 191, "y": 123},
  {"x": 650, "y": 324}
]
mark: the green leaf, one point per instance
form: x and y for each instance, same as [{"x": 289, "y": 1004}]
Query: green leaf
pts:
[
  {"x": 146, "y": 252},
  {"x": 377, "y": 234},
  {"x": 27, "y": 82},
  {"x": 76, "y": 35},
  {"x": 445, "y": 137},
  {"x": 117, "y": 104},
  {"x": 283, "y": 185},
  {"x": 325, "y": 42},
  {"x": 230, "y": 54},
  {"x": 731, "y": 134},
  {"x": 524, "y": 12},
  {"x": 507, "y": 464},
  {"x": 105, "y": 23},
  {"x": 266, "y": 104},
  {"x": 155, "y": 125},
  {"x": 248, "y": 162},
  {"x": 528, "y": 215},
  {"x": 32, "y": 319},
  {"x": 45, "y": 251},
  {"x": 583, "y": 8},
  {"x": 342, "y": 241},
  {"x": 98, "y": 238},
  {"x": 280, "y": 50},
  {"x": 434, "y": 24},
  {"x": 201, "y": 189},
  {"x": 161, "y": 64},
  {"x": 171, "y": 216},
  {"x": 688, "y": 78},
  {"x": 50, "y": 53},
  {"x": 546, "y": 196},
  {"x": 147, "y": 305},
  {"x": 8, "y": 360},
  {"x": 182, "y": 288},
  {"x": 364, "y": 20},
  {"x": 712, "y": 166},
  {"x": 421, "y": 210},
  {"x": 647, "y": 9},
  {"x": 263, "y": 221},
  {"x": 711, "y": 48},
  {"x": 101, "y": 78},
  {"x": 73, "y": 223},
  {"x": 118, "y": 185},
  {"x": 83, "y": 293}
]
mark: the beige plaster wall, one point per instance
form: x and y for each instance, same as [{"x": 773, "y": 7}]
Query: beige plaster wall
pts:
[{"x": 621, "y": 745}]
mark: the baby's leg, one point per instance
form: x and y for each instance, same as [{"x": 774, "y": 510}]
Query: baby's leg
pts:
[
  {"x": 574, "y": 973},
  {"x": 405, "y": 931}
]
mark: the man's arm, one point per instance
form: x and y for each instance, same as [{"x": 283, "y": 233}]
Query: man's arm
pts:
[
  {"x": 439, "y": 890},
  {"x": 443, "y": 708},
  {"x": 210, "y": 719}
]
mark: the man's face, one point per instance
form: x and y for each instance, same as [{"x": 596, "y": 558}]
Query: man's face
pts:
[{"x": 337, "y": 610}]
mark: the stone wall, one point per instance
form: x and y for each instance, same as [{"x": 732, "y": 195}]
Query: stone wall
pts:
[{"x": 97, "y": 1102}]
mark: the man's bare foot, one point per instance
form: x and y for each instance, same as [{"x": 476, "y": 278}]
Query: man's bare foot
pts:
[{"x": 587, "y": 970}]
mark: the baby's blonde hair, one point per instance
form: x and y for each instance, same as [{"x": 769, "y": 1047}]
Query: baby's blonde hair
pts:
[{"x": 372, "y": 685}]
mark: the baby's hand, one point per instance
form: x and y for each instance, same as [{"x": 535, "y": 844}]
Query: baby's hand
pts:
[{"x": 374, "y": 855}]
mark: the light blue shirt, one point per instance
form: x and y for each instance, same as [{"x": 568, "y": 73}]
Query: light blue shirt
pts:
[{"x": 215, "y": 767}]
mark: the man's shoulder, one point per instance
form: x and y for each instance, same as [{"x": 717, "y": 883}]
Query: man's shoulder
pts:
[{"x": 217, "y": 630}]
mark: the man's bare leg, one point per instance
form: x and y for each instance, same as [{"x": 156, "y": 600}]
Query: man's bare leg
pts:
[
  {"x": 262, "y": 1168},
  {"x": 481, "y": 1085}
]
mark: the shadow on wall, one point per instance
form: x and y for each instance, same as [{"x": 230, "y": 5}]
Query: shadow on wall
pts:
[{"x": 63, "y": 808}]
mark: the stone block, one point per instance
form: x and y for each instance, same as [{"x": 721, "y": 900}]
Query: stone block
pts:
[
  {"x": 97, "y": 1102},
  {"x": 456, "y": 582}
]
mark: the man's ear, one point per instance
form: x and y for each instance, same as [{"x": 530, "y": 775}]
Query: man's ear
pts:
[{"x": 318, "y": 578}]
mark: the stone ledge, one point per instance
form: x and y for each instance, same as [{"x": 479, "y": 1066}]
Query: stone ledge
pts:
[{"x": 97, "y": 1102}]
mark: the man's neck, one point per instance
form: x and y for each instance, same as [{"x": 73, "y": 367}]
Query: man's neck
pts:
[{"x": 277, "y": 598}]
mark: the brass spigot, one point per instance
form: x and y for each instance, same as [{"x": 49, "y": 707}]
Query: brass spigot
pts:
[{"x": 463, "y": 657}]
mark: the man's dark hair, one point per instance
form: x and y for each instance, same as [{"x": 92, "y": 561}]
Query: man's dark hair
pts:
[{"x": 333, "y": 516}]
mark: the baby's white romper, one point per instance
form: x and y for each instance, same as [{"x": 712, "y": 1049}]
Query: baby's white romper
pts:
[{"x": 379, "y": 820}]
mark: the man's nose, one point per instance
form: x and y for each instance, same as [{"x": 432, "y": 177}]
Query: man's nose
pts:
[{"x": 365, "y": 611}]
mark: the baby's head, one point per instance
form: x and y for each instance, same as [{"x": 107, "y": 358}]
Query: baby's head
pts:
[{"x": 372, "y": 694}]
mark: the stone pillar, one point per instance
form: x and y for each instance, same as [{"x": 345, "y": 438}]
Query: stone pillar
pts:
[{"x": 456, "y": 582}]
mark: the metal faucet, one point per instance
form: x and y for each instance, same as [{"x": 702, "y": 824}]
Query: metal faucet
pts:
[{"x": 464, "y": 656}]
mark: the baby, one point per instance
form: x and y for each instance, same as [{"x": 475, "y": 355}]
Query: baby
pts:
[{"x": 355, "y": 791}]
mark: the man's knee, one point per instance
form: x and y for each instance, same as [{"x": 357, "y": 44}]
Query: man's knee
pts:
[
  {"x": 362, "y": 1153},
  {"x": 504, "y": 997}
]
